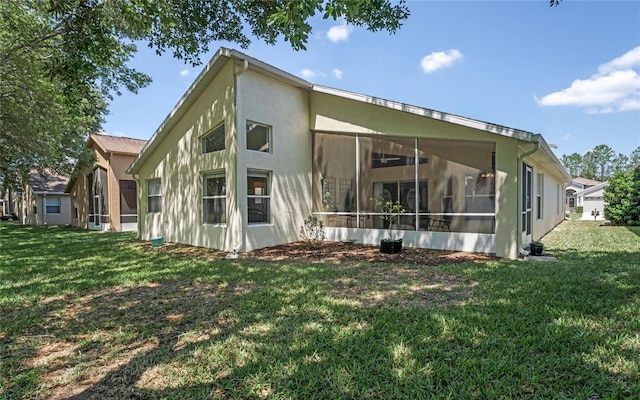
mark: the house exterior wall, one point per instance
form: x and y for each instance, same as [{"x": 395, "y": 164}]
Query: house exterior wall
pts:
[
  {"x": 116, "y": 171},
  {"x": 30, "y": 208},
  {"x": 115, "y": 166},
  {"x": 62, "y": 218},
  {"x": 179, "y": 163},
  {"x": 284, "y": 108},
  {"x": 553, "y": 193}
]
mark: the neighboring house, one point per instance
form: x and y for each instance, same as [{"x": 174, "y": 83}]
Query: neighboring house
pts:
[
  {"x": 592, "y": 202},
  {"x": 42, "y": 201},
  {"x": 577, "y": 185},
  {"x": 250, "y": 152},
  {"x": 106, "y": 198}
]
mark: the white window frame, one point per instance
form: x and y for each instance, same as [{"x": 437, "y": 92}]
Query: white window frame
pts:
[
  {"x": 151, "y": 196},
  {"x": 209, "y": 175},
  {"x": 540, "y": 197},
  {"x": 58, "y": 205},
  {"x": 210, "y": 133},
  {"x": 259, "y": 198},
  {"x": 250, "y": 125}
]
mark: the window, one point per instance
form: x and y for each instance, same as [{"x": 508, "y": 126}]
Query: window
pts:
[
  {"x": 214, "y": 199},
  {"x": 539, "y": 194},
  {"x": 154, "y": 196},
  {"x": 258, "y": 137},
  {"x": 52, "y": 205},
  {"x": 128, "y": 203},
  {"x": 213, "y": 141},
  {"x": 258, "y": 197}
]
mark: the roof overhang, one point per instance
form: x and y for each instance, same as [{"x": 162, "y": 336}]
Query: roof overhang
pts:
[{"x": 428, "y": 113}]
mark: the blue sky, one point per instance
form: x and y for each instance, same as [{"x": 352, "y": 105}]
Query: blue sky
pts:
[{"x": 571, "y": 73}]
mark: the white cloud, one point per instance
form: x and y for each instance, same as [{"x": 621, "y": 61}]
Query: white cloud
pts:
[
  {"x": 566, "y": 137},
  {"x": 614, "y": 88},
  {"x": 440, "y": 59},
  {"x": 339, "y": 32},
  {"x": 308, "y": 74},
  {"x": 184, "y": 72},
  {"x": 337, "y": 73},
  {"x": 629, "y": 60}
]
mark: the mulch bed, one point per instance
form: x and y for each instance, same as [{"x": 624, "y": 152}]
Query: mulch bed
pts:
[
  {"x": 352, "y": 252},
  {"x": 331, "y": 252}
]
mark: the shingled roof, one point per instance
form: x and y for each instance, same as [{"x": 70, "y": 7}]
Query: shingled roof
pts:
[
  {"x": 587, "y": 182},
  {"x": 47, "y": 182},
  {"x": 117, "y": 144}
]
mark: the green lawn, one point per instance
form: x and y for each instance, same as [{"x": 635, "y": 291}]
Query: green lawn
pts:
[{"x": 99, "y": 315}]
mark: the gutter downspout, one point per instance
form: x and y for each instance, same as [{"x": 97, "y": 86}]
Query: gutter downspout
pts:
[{"x": 535, "y": 139}]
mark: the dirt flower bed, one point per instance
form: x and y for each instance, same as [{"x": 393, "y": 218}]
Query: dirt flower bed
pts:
[
  {"x": 334, "y": 252},
  {"x": 342, "y": 252}
]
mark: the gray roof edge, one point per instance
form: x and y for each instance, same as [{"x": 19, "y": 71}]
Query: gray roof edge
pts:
[{"x": 553, "y": 157}]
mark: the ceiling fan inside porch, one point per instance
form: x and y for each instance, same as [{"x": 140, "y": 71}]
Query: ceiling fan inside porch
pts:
[{"x": 383, "y": 159}]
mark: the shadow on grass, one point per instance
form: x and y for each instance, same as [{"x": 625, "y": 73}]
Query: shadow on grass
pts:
[
  {"x": 232, "y": 330},
  {"x": 634, "y": 229}
]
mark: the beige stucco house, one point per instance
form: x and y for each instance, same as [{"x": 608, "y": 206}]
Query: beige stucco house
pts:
[
  {"x": 43, "y": 200},
  {"x": 105, "y": 199},
  {"x": 250, "y": 151}
]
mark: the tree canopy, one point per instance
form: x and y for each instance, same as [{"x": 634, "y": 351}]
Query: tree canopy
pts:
[
  {"x": 62, "y": 60},
  {"x": 600, "y": 163},
  {"x": 623, "y": 198}
]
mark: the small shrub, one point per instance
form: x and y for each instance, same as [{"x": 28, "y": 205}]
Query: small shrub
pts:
[
  {"x": 391, "y": 210},
  {"x": 580, "y": 209},
  {"x": 312, "y": 230}
]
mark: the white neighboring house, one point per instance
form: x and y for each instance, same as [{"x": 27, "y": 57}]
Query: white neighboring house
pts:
[
  {"x": 592, "y": 201},
  {"x": 577, "y": 185}
]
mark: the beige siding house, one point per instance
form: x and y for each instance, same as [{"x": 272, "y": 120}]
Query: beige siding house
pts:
[
  {"x": 250, "y": 151},
  {"x": 43, "y": 201},
  {"x": 105, "y": 199}
]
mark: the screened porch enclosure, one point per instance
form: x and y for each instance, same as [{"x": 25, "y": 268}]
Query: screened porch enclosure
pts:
[{"x": 441, "y": 185}]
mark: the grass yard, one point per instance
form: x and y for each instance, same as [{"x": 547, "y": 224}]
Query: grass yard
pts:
[{"x": 99, "y": 315}]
